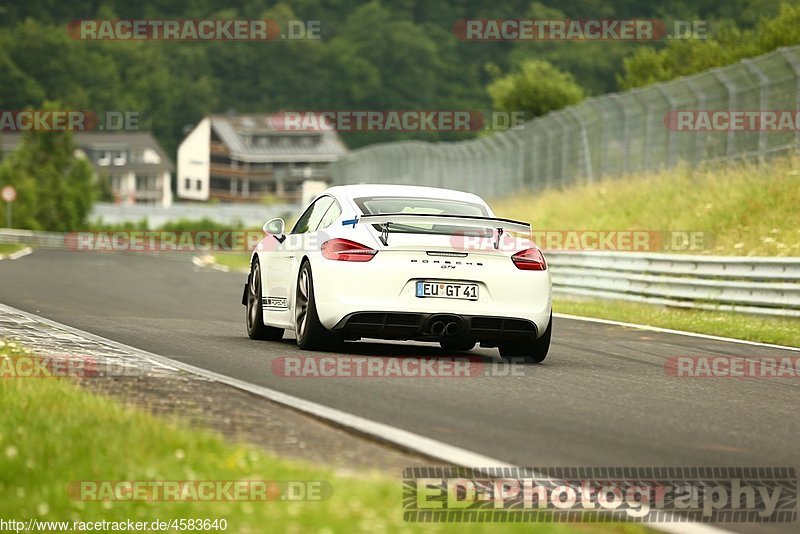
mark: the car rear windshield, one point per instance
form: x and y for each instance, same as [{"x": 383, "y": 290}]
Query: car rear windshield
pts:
[{"x": 424, "y": 206}]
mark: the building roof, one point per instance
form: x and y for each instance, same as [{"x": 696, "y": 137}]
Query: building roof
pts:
[
  {"x": 234, "y": 130},
  {"x": 96, "y": 141}
]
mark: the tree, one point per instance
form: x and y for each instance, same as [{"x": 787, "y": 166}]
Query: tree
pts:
[
  {"x": 536, "y": 88},
  {"x": 55, "y": 189},
  {"x": 684, "y": 57}
]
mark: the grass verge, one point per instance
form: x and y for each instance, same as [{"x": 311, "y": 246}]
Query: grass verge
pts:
[
  {"x": 236, "y": 261},
  {"x": 781, "y": 331},
  {"x": 52, "y": 432},
  {"x": 10, "y": 249},
  {"x": 747, "y": 210}
]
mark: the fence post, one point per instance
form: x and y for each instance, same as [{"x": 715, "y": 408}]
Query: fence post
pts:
[
  {"x": 587, "y": 156},
  {"x": 763, "y": 101},
  {"x": 700, "y": 98},
  {"x": 730, "y": 87},
  {"x": 562, "y": 178},
  {"x": 794, "y": 62},
  {"x": 625, "y": 140},
  {"x": 671, "y": 134}
]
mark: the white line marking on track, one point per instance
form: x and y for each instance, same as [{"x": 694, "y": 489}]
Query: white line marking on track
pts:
[{"x": 671, "y": 331}]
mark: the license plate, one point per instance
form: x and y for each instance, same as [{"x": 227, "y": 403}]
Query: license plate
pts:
[{"x": 444, "y": 290}]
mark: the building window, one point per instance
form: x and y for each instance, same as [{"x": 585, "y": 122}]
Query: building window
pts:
[
  {"x": 145, "y": 183},
  {"x": 220, "y": 184},
  {"x": 199, "y": 185},
  {"x": 119, "y": 158},
  {"x": 151, "y": 157},
  {"x": 105, "y": 159},
  {"x": 187, "y": 184}
]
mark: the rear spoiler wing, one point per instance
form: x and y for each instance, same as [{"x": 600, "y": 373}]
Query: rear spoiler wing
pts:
[{"x": 489, "y": 223}]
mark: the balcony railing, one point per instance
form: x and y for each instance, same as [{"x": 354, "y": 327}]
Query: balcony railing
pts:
[
  {"x": 221, "y": 169},
  {"x": 218, "y": 147}
]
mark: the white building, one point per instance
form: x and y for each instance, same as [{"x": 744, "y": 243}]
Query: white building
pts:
[{"x": 243, "y": 158}]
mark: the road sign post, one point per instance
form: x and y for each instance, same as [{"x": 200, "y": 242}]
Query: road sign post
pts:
[{"x": 9, "y": 194}]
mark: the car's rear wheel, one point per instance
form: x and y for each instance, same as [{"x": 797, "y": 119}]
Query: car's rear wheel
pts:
[
  {"x": 256, "y": 328},
  {"x": 311, "y": 334},
  {"x": 456, "y": 346},
  {"x": 534, "y": 351}
]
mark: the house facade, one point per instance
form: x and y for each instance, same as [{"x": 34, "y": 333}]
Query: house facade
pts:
[
  {"x": 134, "y": 165},
  {"x": 244, "y": 158}
]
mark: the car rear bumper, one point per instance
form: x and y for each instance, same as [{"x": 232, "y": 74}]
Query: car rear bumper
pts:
[
  {"x": 428, "y": 327},
  {"x": 386, "y": 285}
]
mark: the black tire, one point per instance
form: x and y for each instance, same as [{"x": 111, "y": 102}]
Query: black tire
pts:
[
  {"x": 450, "y": 345},
  {"x": 534, "y": 351},
  {"x": 256, "y": 328},
  {"x": 311, "y": 335}
]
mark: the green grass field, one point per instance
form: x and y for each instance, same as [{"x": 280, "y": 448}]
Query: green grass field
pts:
[
  {"x": 749, "y": 210},
  {"x": 237, "y": 261},
  {"x": 10, "y": 249},
  {"x": 781, "y": 331},
  {"x": 52, "y": 433}
]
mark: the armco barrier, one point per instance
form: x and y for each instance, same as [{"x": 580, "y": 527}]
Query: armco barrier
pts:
[{"x": 760, "y": 285}]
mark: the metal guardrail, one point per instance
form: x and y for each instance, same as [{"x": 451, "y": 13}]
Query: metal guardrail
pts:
[
  {"x": 10, "y": 236},
  {"x": 767, "y": 286}
]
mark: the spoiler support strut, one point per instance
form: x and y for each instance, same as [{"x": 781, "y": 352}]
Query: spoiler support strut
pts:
[
  {"x": 497, "y": 239},
  {"x": 385, "y": 234}
]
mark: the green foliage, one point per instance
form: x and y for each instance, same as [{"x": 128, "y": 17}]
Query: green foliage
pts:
[
  {"x": 727, "y": 45},
  {"x": 538, "y": 87},
  {"x": 199, "y": 225},
  {"x": 55, "y": 189},
  {"x": 372, "y": 55}
]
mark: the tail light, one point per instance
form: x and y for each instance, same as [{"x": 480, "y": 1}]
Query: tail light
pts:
[
  {"x": 346, "y": 250},
  {"x": 531, "y": 259}
]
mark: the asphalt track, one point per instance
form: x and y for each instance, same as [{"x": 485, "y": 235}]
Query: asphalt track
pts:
[{"x": 602, "y": 398}]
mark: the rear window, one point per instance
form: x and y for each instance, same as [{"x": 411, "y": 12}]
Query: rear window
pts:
[{"x": 424, "y": 206}]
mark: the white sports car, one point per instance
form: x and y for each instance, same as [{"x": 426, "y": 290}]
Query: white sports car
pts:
[{"x": 404, "y": 263}]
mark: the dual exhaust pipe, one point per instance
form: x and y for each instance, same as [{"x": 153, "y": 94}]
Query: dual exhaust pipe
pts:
[{"x": 440, "y": 328}]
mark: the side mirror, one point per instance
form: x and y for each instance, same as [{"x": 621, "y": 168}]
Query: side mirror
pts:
[{"x": 275, "y": 227}]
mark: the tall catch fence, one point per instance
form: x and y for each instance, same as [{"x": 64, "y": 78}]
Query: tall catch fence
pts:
[{"x": 609, "y": 135}]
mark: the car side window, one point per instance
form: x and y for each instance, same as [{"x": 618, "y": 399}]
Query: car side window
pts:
[
  {"x": 309, "y": 221},
  {"x": 331, "y": 215}
]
